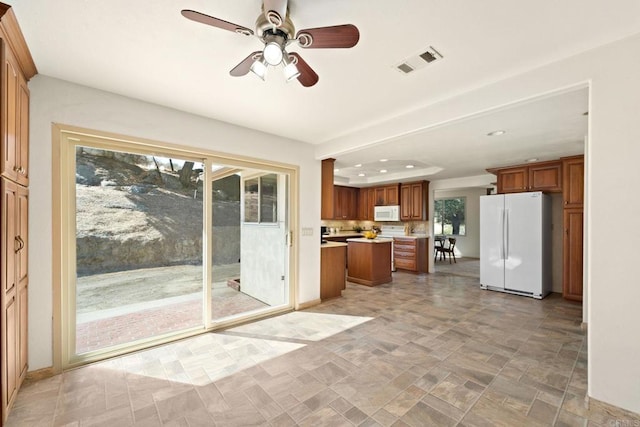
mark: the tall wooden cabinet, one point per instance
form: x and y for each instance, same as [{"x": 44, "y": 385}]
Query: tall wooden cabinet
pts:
[
  {"x": 17, "y": 69},
  {"x": 573, "y": 220}
]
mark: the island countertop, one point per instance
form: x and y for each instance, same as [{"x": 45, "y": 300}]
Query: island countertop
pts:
[
  {"x": 332, "y": 245},
  {"x": 376, "y": 240}
]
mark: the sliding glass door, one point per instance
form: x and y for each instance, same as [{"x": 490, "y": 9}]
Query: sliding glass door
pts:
[{"x": 158, "y": 244}]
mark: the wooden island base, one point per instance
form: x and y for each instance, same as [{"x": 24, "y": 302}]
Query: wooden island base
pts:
[{"x": 369, "y": 261}]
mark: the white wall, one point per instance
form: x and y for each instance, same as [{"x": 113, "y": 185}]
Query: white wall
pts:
[
  {"x": 613, "y": 74},
  {"x": 57, "y": 101}
]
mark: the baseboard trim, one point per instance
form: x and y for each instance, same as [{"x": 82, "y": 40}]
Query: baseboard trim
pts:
[
  {"x": 308, "y": 304},
  {"x": 40, "y": 374}
]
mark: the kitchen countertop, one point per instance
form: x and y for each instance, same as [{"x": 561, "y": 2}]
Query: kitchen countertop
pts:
[
  {"x": 332, "y": 245},
  {"x": 376, "y": 240},
  {"x": 342, "y": 234}
]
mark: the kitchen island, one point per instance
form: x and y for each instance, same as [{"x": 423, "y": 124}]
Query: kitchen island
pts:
[{"x": 369, "y": 261}]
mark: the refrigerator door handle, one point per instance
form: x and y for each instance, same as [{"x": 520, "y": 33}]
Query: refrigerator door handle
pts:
[
  {"x": 502, "y": 249},
  {"x": 506, "y": 233}
]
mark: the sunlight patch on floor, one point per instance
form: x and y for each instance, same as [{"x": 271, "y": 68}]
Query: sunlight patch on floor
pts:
[{"x": 302, "y": 325}]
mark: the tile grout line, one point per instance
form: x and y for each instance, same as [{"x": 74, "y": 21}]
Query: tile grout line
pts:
[{"x": 564, "y": 395}]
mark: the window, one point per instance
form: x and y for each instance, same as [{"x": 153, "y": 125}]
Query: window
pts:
[
  {"x": 261, "y": 199},
  {"x": 449, "y": 216}
]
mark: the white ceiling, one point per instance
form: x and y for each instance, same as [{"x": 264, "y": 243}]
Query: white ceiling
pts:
[{"x": 147, "y": 50}]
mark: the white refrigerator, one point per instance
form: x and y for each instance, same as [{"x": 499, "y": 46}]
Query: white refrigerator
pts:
[{"x": 515, "y": 243}]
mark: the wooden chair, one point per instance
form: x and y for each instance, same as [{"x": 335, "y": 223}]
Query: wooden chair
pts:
[
  {"x": 443, "y": 250},
  {"x": 438, "y": 242}
]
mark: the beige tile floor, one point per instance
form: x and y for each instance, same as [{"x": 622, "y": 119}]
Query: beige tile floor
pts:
[{"x": 423, "y": 350}]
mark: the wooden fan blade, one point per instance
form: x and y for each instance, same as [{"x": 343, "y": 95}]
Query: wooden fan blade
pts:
[
  {"x": 215, "y": 22},
  {"x": 307, "y": 77},
  {"x": 275, "y": 6},
  {"x": 243, "y": 67},
  {"x": 338, "y": 36}
]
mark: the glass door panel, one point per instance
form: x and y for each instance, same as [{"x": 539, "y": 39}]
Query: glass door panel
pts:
[
  {"x": 250, "y": 252},
  {"x": 139, "y": 272}
]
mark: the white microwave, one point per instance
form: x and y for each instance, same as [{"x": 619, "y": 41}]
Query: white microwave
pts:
[{"x": 386, "y": 213}]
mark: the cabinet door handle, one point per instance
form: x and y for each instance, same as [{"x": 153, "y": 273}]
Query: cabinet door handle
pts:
[{"x": 20, "y": 243}]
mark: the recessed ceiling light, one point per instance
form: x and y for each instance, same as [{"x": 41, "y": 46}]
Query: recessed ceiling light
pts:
[
  {"x": 360, "y": 174},
  {"x": 497, "y": 133},
  {"x": 384, "y": 160},
  {"x": 383, "y": 171},
  {"x": 359, "y": 165},
  {"x": 336, "y": 170},
  {"x": 531, "y": 160},
  {"x": 409, "y": 166}
]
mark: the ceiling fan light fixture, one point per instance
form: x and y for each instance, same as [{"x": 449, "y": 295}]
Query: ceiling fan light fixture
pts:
[
  {"x": 272, "y": 53},
  {"x": 291, "y": 72},
  {"x": 259, "y": 68}
]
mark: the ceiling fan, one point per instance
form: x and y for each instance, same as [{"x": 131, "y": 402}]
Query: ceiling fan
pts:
[{"x": 275, "y": 29}]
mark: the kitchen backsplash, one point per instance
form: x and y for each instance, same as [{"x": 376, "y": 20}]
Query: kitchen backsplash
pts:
[{"x": 416, "y": 227}]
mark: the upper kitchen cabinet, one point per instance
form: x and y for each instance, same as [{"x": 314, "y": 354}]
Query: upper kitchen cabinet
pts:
[
  {"x": 542, "y": 176},
  {"x": 389, "y": 195},
  {"x": 512, "y": 180},
  {"x": 17, "y": 69},
  {"x": 573, "y": 176},
  {"x": 366, "y": 202},
  {"x": 546, "y": 176},
  {"x": 345, "y": 202},
  {"x": 327, "y": 192},
  {"x": 413, "y": 201}
]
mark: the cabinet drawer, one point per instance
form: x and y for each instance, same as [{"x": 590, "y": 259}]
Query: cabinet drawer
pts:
[
  {"x": 406, "y": 264},
  {"x": 402, "y": 254},
  {"x": 404, "y": 247}
]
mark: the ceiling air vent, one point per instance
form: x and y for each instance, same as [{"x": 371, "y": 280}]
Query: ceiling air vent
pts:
[
  {"x": 405, "y": 68},
  {"x": 419, "y": 60}
]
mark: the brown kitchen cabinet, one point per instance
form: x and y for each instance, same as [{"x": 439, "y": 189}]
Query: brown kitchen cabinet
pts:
[
  {"x": 15, "y": 121},
  {"x": 345, "y": 202},
  {"x": 366, "y": 202},
  {"x": 512, "y": 180},
  {"x": 17, "y": 69},
  {"x": 572, "y": 254},
  {"x": 326, "y": 190},
  {"x": 545, "y": 176},
  {"x": 411, "y": 254},
  {"x": 388, "y": 195},
  {"x": 573, "y": 179},
  {"x": 332, "y": 269},
  {"x": 541, "y": 176},
  {"x": 413, "y": 201},
  {"x": 573, "y": 223},
  {"x": 14, "y": 236}
]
